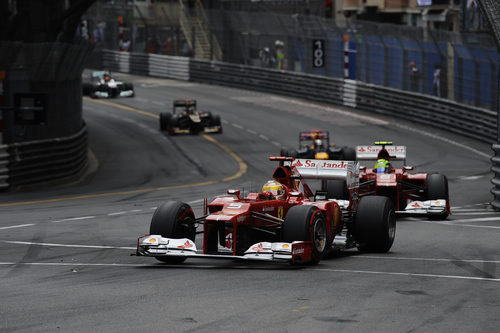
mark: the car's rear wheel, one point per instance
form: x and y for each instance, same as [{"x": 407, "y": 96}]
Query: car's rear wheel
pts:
[
  {"x": 349, "y": 154},
  {"x": 437, "y": 188},
  {"x": 306, "y": 223},
  {"x": 375, "y": 224},
  {"x": 337, "y": 189},
  {"x": 217, "y": 122},
  {"x": 173, "y": 219}
]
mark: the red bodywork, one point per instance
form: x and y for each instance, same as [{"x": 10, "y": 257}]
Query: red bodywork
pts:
[
  {"x": 236, "y": 223},
  {"x": 399, "y": 185}
]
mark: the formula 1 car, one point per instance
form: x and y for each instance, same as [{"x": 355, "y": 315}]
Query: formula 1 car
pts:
[
  {"x": 102, "y": 85},
  {"x": 294, "y": 225},
  {"x": 413, "y": 194},
  {"x": 189, "y": 120},
  {"x": 315, "y": 144}
]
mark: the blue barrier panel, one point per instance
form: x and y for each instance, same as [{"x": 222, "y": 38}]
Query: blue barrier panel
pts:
[
  {"x": 484, "y": 67},
  {"x": 376, "y": 60},
  {"x": 335, "y": 56},
  {"x": 433, "y": 58},
  {"x": 414, "y": 54},
  {"x": 363, "y": 56},
  {"x": 395, "y": 57},
  {"x": 352, "y": 60},
  {"x": 298, "y": 52},
  {"x": 465, "y": 75}
]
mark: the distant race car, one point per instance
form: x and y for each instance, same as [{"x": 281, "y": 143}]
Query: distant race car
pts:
[
  {"x": 285, "y": 222},
  {"x": 189, "y": 120},
  {"x": 315, "y": 144},
  {"x": 102, "y": 85},
  {"x": 413, "y": 194}
]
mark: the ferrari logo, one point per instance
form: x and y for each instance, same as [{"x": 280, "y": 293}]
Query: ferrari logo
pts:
[{"x": 280, "y": 212}]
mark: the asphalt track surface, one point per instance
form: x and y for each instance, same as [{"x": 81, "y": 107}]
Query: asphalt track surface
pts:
[{"x": 65, "y": 263}]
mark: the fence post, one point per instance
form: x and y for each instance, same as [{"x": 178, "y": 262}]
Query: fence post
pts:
[{"x": 495, "y": 162}]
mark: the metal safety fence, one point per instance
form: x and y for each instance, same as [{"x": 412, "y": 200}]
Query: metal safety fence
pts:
[{"x": 43, "y": 160}]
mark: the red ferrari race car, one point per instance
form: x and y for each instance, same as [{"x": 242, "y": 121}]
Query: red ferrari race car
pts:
[
  {"x": 414, "y": 194},
  {"x": 285, "y": 222}
]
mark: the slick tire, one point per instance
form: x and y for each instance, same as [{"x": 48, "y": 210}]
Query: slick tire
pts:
[
  {"x": 306, "y": 223},
  {"x": 437, "y": 188},
  {"x": 173, "y": 219},
  {"x": 349, "y": 154},
  {"x": 337, "y": 189},
  {"x": 375, "y": 224}
]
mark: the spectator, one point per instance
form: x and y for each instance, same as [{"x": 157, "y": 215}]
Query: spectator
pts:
[
  {"x": 414, "y": 77},
  {"x": 126, "y": 45},
  {"x": 436, "y": 82}
]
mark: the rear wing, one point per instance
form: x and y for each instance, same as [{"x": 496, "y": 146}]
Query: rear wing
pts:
[
  {"x": 184, "y": 102},
  {"x": 396, "y": 153},
  {"x": 327, "y": 169},
  {"x": 311, "y": 135}
]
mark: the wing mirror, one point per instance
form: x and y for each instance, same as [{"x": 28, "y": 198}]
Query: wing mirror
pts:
[
  {"x": 234, "y": 192},
  {"x": 362, "y": 168},
  {"x": 407, "y": 168}
]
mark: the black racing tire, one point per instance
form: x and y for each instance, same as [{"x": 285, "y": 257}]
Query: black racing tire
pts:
[
  {"x": 130, "y": 86},
  {"x": 437, "y": 188},
  {"x": 217, "y": 122},
  {"x": 173, "y": 219},
  {"x": 337, "y": 189},
  {"x": 349, "y": 154},
  {"x": 165, "y": 121},
  {"x": 306, "y": 223},
  {"x": 375, "y": 224}
]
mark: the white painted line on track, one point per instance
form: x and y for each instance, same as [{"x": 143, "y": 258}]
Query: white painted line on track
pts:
[
  {"x": 236, "y": 125},
  {"x": 276, "y": 143},
  {"x": 460, "y": 277},
  {"x": 158, "y": 103},
  {"x": 75, "y": 219},
  {"x": 71, "y": 245},
  {"x": 462, "y": 225},
  {"x": 224, "y": 121},
  {"x": 479, "y": 219},
  {"x": 441, "y": 138},
  {"x": 331, "y": 109},
  {"x": 251, "y": 131},
  {"x": 195, "y": 201},
  {"x": 17, "y": 226},
  {"x": 478, "y": 261},
  {"x": 474, "y": 213},
  {"x": 262, "y": 136},
  {"x": 472, "y": 278},
  {"x": 117, "y": 213}
]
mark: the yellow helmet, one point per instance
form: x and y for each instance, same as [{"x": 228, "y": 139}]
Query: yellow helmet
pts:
[{"x": 274, "y": 187}]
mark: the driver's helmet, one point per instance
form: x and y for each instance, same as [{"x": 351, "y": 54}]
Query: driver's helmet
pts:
[
  {"x": 274, "y": 188},
  {"x": 318, "y": 143},
  {"x": 382, "y": 166},
  {"x": 190, "y": 109},
  {"x": 107, "y": 77}
]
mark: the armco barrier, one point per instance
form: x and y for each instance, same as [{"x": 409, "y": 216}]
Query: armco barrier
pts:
[
  {"x": 44, "y": 160},
  {"x": 495, "y": 168}
]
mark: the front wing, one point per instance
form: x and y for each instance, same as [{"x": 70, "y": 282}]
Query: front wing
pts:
[
  {"x": 206, "y": 129},
  {"x": 425, "y": 208},
  {"x": 158, "y": 246}
]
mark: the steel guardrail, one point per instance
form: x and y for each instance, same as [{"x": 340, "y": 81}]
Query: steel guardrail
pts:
[{"x": 37, "y": 161}]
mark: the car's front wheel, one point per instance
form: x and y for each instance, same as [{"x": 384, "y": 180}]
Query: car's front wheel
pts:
[
  {"x": 173, "y": 219},
  {"x": 306, "y": 223}
]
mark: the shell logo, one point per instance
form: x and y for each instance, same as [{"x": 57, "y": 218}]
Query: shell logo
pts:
[
  {"x": 285, "y": 246},
  {"x": 152, "y": 240}
]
